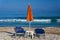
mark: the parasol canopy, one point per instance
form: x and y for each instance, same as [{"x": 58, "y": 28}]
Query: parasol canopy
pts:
[{"x": 29, "y": 14}]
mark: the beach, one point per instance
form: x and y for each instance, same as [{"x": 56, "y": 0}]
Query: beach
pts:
[{"x": 52, "y": 33}]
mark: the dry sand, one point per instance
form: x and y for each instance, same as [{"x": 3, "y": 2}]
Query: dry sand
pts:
[
  {"x": 49, "y": 30},
  {"x": 52, "y": 33}
]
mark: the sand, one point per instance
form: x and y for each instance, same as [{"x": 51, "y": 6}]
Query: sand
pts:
[
  {"x": 52, "y": 33},
  {"x": 49, "y": 30}
]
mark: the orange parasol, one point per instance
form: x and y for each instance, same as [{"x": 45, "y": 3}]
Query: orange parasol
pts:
[{"x": 29, "y": 15}]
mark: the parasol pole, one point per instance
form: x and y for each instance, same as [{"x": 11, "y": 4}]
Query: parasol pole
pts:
[{"x": 29, "y": 25}]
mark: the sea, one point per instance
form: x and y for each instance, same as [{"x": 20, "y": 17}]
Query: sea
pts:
[{"x": 37, "y": 22}]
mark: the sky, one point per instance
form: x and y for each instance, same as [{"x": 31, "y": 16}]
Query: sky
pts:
[{"x": 40, "y": 8}]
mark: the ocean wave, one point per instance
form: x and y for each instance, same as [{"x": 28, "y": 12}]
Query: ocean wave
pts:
[
  {"x": 58, "y": 20},
  {"x": 24, "y": 20}
]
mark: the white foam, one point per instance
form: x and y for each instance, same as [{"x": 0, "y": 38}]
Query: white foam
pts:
[
  {"x": 24, "y": 20},
  {"x": 43, "y": 20},
  {"x": 58, "y": 20}
]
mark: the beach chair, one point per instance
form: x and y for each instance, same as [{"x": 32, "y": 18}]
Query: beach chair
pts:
[
  {"x": 19, "y": 31},
  {"x": 39, "y": 32}
]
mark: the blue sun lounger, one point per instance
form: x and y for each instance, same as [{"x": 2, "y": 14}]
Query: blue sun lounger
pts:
[
  {"x": 19, "y": 31},
  {"x": 39, "y": 32}
]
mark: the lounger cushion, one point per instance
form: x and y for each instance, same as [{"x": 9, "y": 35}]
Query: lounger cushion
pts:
[{"x": 39, "y": 31}]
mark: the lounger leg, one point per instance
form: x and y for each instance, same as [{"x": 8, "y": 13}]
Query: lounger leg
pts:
[
  {"x": 43, "y": 36},
  {"x": 15, "y": 35},
  {"x": 34, "y": 35}
]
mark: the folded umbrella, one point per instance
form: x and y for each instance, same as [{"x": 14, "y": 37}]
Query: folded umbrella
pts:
[{"x": 29, "y": 15}]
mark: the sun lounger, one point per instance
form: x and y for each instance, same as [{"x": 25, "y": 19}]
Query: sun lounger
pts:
[
  {"x": 19, "y": 31},
  {"x": 39, "y": 32}
]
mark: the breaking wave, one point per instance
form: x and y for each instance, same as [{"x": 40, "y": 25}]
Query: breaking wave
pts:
[{"x": 24, "y": 20}]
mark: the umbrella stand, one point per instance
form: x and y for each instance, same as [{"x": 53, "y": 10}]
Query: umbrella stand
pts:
[{"x": 29, "y": 25}]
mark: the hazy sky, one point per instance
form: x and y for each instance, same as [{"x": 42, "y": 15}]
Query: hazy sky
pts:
[{"x": 18, "y": 8}]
